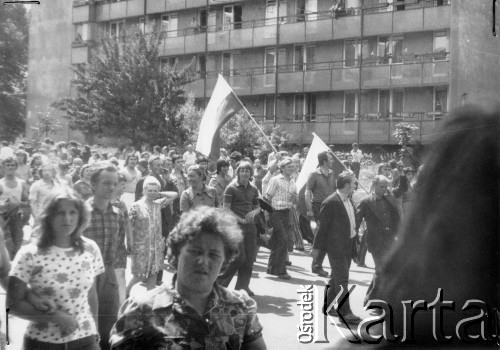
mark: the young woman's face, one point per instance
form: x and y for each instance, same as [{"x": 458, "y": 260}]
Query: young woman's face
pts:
[
  {"x": 65, "y": 220},
  {"x": 87, "y": 174}
]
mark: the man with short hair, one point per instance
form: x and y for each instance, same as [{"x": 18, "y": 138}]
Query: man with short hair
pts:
[
  {"x": 320, "y": 184},
  {"x": 337, "y": 234},
  {"x": 241, "y": 197},
  {"x": 107, "y": 225},
  {"x": 282, "y": 194},
  {"x": 381, "y": 214},
  {"x": 189, "y": 156},
  {"x": 234, "y": 159},
  {"x": 14, "y": 199},
  {"x": 178, "y": 174}
]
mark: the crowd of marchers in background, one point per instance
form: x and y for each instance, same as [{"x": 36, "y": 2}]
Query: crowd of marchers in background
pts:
[{"x": 127, "y": 204}]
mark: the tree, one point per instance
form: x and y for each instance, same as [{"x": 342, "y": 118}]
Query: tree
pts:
[
  {"x": 13, "y": 66},
  {"x": 240, "y": 132},
  {"x": 47, "y": 125},
  {"x": 124, "y": 90},
  {"x": 405, "y": 134}
]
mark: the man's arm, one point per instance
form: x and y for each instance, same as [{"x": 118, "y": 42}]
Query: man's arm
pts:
[
  {"x": 360, "y": 214},
  {"x": 326, "y": 216}
]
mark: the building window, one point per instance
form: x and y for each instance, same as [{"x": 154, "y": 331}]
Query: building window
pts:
[
  {"x": 441, "y": 100},
  {"x": 169, "y": 24},
  {"x": 269, "y": 108},
  {"x": 115, "y": 28},
  {"x": 390, "y": 49},
  {"x": 441, "y": 45},
  {"x": 304, "y": 57},
  {"x": 351, "y": 48},
  {"x": 148, "y": 28},
  {"x": 227, "y": 64},
  {"x": 351, "y": 104},
  {"x": 270, "y": 61},
  {"x": 384, "y": 103},
  {"x": 272, "y": 12},
  {"x": 397, "y": 101},
  {"x": 202, "y": 64},
  {"x": 231, "y": 17},
  {"x": 307, "y": 10},
  {"x": 167, "y": 63},
  {"x": 81, "y": 32}
]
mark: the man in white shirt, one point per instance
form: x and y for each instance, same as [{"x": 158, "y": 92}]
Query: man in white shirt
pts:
[
  {"x": 357, "y": 156},
  {"x": 189, "y": 157}
]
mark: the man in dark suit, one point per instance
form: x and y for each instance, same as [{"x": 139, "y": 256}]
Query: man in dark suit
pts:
[
  {"x": 382, "y": 217},
  {"x": 336, "y": 233}
]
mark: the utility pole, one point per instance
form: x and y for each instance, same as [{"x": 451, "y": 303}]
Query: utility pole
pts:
[
  {"x": 360, "y": 86},
  {"x": 276, "y": 58},
  {"x": 206, "y": 58}
]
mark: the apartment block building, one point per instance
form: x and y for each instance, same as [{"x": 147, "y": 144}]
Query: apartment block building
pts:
[{"x": 347, "y": 70}]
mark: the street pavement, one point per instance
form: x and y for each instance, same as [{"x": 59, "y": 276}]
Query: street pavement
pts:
[{"x": 277, "y": 301}]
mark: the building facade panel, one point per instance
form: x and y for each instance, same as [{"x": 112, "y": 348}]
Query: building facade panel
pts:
[
  {"x": 437, "y": 17},
  {"x": 81, "y": 14},
  {"x": 79, "y": 55},
  {"x": 102, "y": 12},
  {"x": 241, "y": 38},
  {"x": 118, "y": 10},
  {"x": 347, "y": 27},
  {"x": 291, "y": 82},
  {"x": 376, "y": 76},
  {"x": 172, "y": 46},
  {"x": 173, "y": 5},
  {"x": 345, "y": 78},
  {"x": 320, "y": 30},
  {"x": 408, "y": 21},
  {"x": 293, "y": 33},
  {"x": 135, "y": 8},
  {"x": 218, "y": 41},
  {"x": 158, "y": 6},
  {"x": 194, "y": 43},
  {"x": 317, "y": 80},
  {"x": 264, "y": 36},
  {"x": 377, "y": 24}
]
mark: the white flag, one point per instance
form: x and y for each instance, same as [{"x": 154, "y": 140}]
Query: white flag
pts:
[{"x": 311, "y": 161}]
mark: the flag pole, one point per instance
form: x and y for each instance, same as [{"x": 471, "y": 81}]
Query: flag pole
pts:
[
  {"x": 250, "y": 115},
  {"x": 359, "y": 183}
]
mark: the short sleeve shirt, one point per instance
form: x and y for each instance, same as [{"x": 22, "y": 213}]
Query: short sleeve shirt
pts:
[
  {"x": 207, "y": 196},
  {"x": 320, "y": 185},
  {"x": 65, "y": 276},
  {"x": 242, "y": 199},
  {"x": 164, "y": 318},
  {"x": 281, "y": 191}
]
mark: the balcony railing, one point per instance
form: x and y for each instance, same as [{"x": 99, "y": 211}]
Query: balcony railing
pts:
[
  {"x": 348, "y": 128},
  {"x": 306, "y": 17},
  {"x": 411, "y": 116}
]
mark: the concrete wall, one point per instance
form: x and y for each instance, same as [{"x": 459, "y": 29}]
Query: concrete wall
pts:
[
  {"x": 475, "y": 58},
  {"x": 49, "y": 73}
]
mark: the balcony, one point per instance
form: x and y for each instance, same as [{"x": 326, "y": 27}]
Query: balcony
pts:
[
  {"x": 420, "y": 70},
  {"x": 343, "y": 128}
]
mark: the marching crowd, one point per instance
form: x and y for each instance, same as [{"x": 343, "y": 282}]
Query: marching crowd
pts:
[{"x": 88, "y": 213}]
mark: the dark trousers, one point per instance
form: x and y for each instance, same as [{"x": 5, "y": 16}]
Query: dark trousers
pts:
[
  {"x": 362, "y": 250},
  {"x": 318, "y": 262},
  {"x": 339, "y": 277},
  {"x": 109, "y": 303},
  {"x": 305, "y": 229},
  {"x": 278, "y": 242},
  {"x": 379, "y": 258},
  {"x": 356, "y": 167},
  {"x": 243, "y": 264}
]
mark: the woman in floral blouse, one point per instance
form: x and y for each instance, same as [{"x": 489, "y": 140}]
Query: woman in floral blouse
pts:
[{"x": 196, "y": 313}]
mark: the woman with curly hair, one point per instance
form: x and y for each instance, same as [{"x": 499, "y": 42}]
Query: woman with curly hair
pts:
[
  {"x": 60, "y": 269},
  {"x": 195, "y": 312}
]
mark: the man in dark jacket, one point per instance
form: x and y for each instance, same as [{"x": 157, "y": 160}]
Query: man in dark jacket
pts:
[
  {"x": 382, "y": 217},
  {"x": 337, "y": 234}
]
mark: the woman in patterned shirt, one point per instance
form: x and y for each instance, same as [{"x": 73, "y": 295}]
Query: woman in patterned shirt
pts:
[
  {"x": 83, "y": 187},
  {"x": 60, "y": 269},
  {"x": 196, "y": 313}
]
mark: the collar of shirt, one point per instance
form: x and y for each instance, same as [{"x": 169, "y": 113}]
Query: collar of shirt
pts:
[
  {"x": 281, "y": 176},
  {"x": 203, "y": 190},
  {"x": 343, "y": 197},
  {"x": 110, "y": 208},
  {"x": 319, "y": 172},
  {"x": 166, "y": 297}
]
